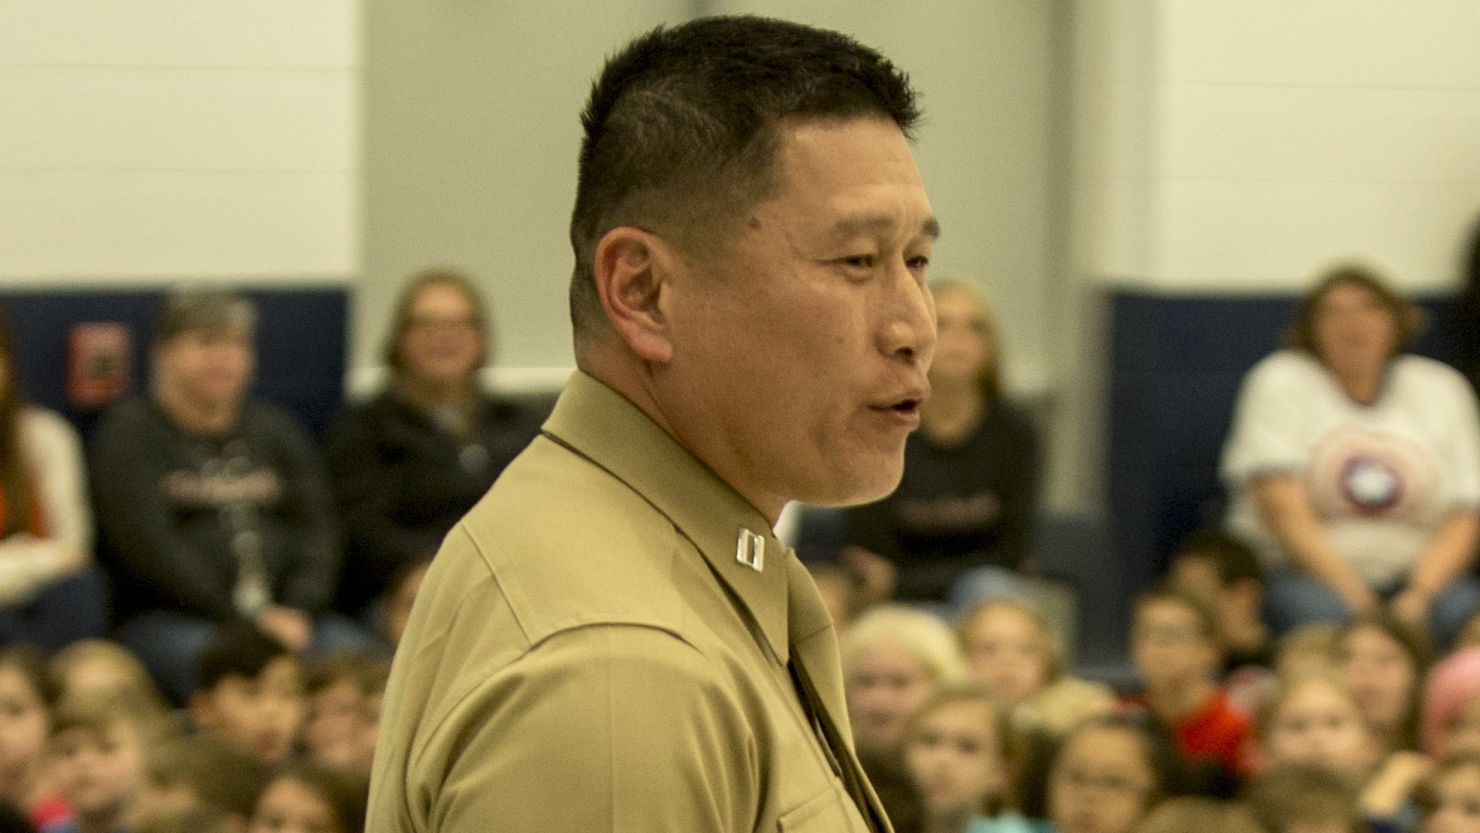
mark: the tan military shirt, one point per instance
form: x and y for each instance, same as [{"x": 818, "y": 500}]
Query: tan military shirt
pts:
[{"x": 603, "y": 644}]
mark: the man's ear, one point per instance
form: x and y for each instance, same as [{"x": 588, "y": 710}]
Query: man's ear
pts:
[{"x": 633, "y": 269}]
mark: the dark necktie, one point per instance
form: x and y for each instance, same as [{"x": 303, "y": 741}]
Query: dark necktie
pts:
[{"x": 818, "y": 678}]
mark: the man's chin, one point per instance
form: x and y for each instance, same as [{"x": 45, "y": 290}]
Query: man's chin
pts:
[{"x": 858, "y": 491}]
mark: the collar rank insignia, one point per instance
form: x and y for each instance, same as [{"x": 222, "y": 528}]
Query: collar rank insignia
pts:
[{"x": 750, "y": 550}]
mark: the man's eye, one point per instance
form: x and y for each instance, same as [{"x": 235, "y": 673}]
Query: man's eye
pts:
[
  {"x": 858, "y": 261},
  {"x": 918, "y": 262}
]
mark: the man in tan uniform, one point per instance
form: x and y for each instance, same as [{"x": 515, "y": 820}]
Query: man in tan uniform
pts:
[{"x": 613, "y": 639}]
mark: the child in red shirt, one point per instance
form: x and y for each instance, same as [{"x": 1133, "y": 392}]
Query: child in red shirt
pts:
[{"x": 1177, "y": 653}]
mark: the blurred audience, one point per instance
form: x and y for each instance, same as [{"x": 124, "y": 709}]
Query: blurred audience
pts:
[
  {"x": 1319, "y": 721},
  {"x": 1199, "y": 815},
  {"x": 894, "y": 658},
  {"x": 310, "y": 797},
  {"x": 1109, "y": 774},
  {"x": 969, "y": 497},
  {"x": 99, "y": 756},
  {"x": 1304, "y": 798},
  {"x": 964, "y": 755},
  {"x": 1384, "y": 662},
  {"x": 27, "y": 699},
  {"x": 212, "y": 507},
  {"x": 100, "y": 667},
  {"x": 410, "y": 462},
  {"x": 1015, "y": 655},
  {"x": 1175, "y": 648},
  {"x": 344, "y": 697},
  {"x": 1354, "y": 466},
  {"x": 1449, "y": 801},
  {"x": 1225, "y": 574},
  {"x": 251, "y": 693},
  {"x": 49, "y": 594},
  {"x": 1451, "y": 706},
  {"x": 200, "y": 772}
]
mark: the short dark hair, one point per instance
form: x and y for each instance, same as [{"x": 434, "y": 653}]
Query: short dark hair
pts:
[
  {"x": 681, "y": 128},
  {"x": 209, "y": 310},
  {"x": 1231, "y": 556},
  {"x": 237, "y": 650},
  {"x": 1207, "y": 618},
  {"x": 1408, "y": 319},
  {"x": 346, "y": 793},
  {"x": 219, "y": 773}
]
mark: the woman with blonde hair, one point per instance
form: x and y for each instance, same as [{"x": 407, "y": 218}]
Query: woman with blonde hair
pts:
[{"x": 970, "y": 489}]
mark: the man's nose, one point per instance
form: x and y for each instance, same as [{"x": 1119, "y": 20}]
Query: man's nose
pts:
[{"x": 908, "y": 330}]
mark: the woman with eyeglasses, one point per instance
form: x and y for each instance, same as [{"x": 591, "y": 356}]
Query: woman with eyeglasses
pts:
[{"x": 410, "y": 461}]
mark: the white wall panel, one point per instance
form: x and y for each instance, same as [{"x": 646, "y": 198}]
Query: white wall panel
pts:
[
  {"x": 87, "y": 227},
  {"x": 170, "y": 119},
  {"x": 1347, "y": 134},
  {"x": 1275, "y": 235},
  {"x": 181, "y": 33},
  {"x": 1387, "y": 43}
]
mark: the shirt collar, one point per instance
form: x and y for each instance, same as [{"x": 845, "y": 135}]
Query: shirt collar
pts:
[{"x": 600, "y": 424}]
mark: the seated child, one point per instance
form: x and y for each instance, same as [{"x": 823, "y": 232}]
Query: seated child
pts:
[
  {"x": 250, "y": 692},
  {"x": 344, "y": 692},
  {"x": 312, "y": 797},
  {"x": 1013, "y": 653},
  {"x": 1306, "y": 650},
  {"x": 202, "y": 772},
  {"x": 1175, "y": 648},
  {"x": 98, "y": 666},
  {"x": 1225, "y": 573},
  {"x": 1384, "y": 661},
  {"x": 1199, "y": 815},
  {"x": 1318, "y": 721},
  {"x": 193, "y": 820},
  {"x": 894, "y": 657},
  {"x": 962, "y": 752},
  {"x": 27, "y": 697},
  {"x": 1451, "y": 706},
  {"x": 1108, "y": 774},
  {"x": 98, "y": 750},
  {"x": 1304, "y": 798},
  {"x": 1449, "y": 801}
]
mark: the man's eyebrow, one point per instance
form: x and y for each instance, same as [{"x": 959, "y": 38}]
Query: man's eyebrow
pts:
[{"x": 855, "y": 226}]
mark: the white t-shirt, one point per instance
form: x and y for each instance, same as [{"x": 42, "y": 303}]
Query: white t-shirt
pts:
[
  {"x": 1383, "y": 478},
  {"x": 54, "y": 455}
]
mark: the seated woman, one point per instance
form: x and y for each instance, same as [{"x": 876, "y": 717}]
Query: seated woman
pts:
[
  {"x": 970, "y": 487},
  {"x": 407, "y": 464},
  {"x": 1354, "y": 467},
  {"x": 49, "y": 596}
]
